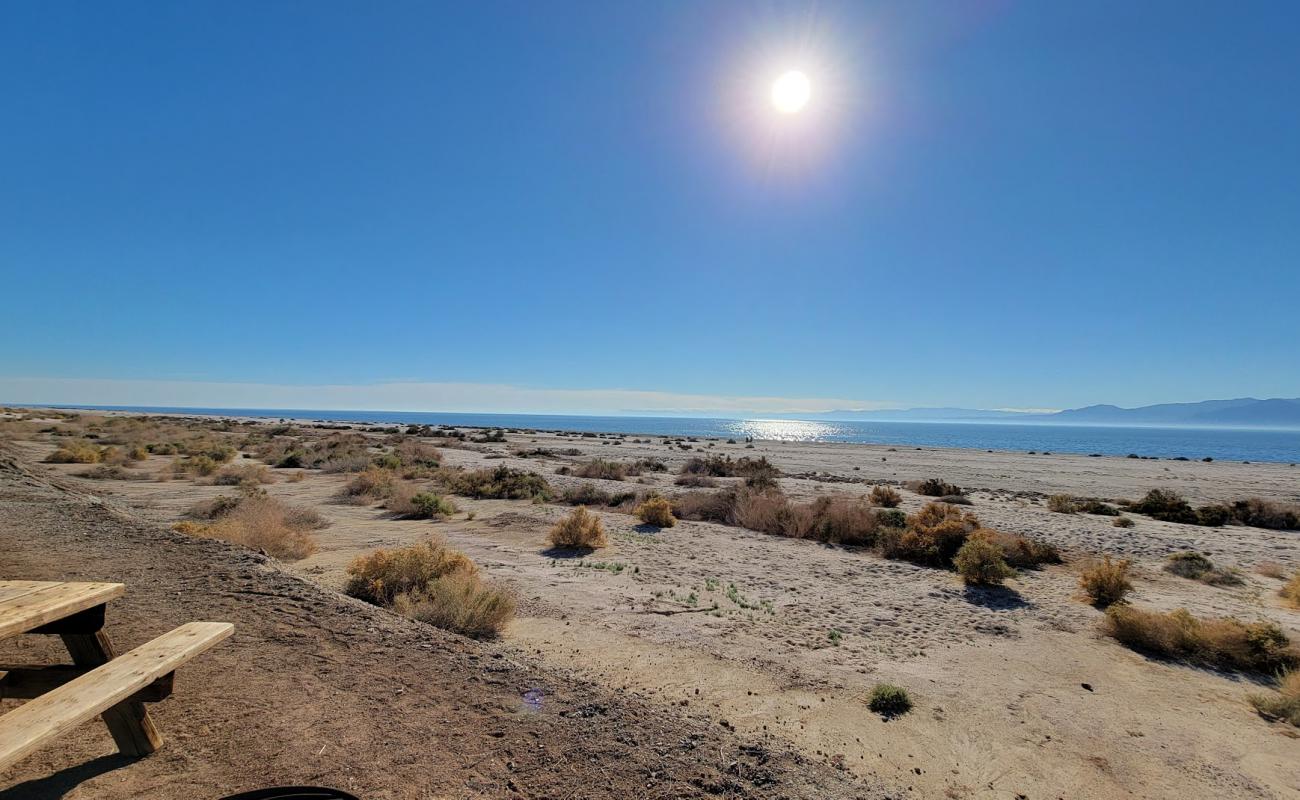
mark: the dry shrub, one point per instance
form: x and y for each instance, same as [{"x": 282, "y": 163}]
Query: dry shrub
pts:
[
  {"x": 137, "y": 453},
  {"x": 1123, "y": 522},
  {"x": 726, "y": 467},
  {"x": 1198, "y": 567},
  {"x": 1285, "y": 705},
  {"x": 935, "y": 487},
  {"x": 114, "y": 472},
  {"x": 74, "y": 453},
  {"x": 885, "y": 497},
  {"x": 296, "y": 477},
  {"x": 1271, "y": 569},
  {"x": 1106, "y": 582},
  {"x": 339, "y": 464},
  {"x": 1291, "y": 592},
  {"x": 1260, "y": 513},
  {"x": 265, "y": 524},
  {"x": 413, "y": 453},
  {"x": 243, "y": 473},
  {"x": 696, "y": 481},
  {"x": 602, "y": 469},
  {"x": 1224, "y": 642},
  {"x": 502, "y": 483},
  {"x": 586, "y": 494},
  {"x": 432, "y": 583},
  {"x": 1069, "y": 504},
  {"x": 1019, "y": 551},
  {"x": 656, "y": 511},
  {"x": 580, "y": 529},
  {"x": 370, "y": 485},
  {"x": 933, "y": 535},
  {"x": 1166, "y": 505},
  {"x": 980, "y": 562},
  {"x": 705, "y": 506},
  {"x": 459, "y": 602},
  {"x": 408, "y": 501},
  {"x": 1062, "y": 503},
  {"x": 384, "y": 574}
]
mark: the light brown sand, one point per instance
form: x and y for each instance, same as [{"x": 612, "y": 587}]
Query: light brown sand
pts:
[{"x": 999, "y": 681}]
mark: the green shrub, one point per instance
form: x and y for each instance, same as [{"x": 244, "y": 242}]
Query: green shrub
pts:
[
  {"x": 1165, "y": 505},
  {"x": 1199, "y": 568},
  {"x": 980, "y": 562},
  {"x": 889, "y": 700},
  {"x": 1213, "y": 516},
  {"x": 502, "y": 483}
]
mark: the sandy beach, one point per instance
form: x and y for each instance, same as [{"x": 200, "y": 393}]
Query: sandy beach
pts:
[{"x": 777, "y": 642}]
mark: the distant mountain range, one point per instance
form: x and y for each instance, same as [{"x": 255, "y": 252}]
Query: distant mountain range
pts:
[{"x": 1242, "y": 412}]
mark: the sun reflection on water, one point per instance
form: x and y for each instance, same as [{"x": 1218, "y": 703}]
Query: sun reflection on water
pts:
[{"x": 786, "y": 430}]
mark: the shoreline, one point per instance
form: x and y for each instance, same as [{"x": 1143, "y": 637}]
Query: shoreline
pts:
[{"x": 475, "y": 421}]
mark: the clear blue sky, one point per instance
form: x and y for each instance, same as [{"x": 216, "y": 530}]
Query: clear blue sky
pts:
[{"x": 992, "y": 204}]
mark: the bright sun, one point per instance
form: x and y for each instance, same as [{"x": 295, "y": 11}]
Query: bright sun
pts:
[{"x": 790, "y": 92}]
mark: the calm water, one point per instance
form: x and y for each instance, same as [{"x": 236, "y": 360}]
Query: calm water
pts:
[{"x": 1222, "y": 444}]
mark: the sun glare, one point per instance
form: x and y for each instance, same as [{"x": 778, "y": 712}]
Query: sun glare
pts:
[{"x": 790, "y": 92}]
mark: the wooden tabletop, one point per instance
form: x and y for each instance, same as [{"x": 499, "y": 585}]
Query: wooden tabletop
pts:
[{"x": 25, "y": 605}]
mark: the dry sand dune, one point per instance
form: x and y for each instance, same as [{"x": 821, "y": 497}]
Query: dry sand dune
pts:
[{"x": 781, "y": 640}]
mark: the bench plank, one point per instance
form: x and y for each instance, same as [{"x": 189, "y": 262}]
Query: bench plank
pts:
[
  {"x": 25, "y": 606},
  {"x": 30, "y": 725}
]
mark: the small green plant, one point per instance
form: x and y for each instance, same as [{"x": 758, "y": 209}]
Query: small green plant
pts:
[
  {"x": 980, "y": 563},
  {"x": 889, "y": 700},
  {"x": 835, "y": 636}
]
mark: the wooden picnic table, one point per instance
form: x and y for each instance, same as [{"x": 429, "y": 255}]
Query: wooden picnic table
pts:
[{"x": 98, "y": 681}]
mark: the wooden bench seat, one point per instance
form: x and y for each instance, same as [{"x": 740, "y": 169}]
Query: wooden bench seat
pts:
[{"x": 102, "y": 689}]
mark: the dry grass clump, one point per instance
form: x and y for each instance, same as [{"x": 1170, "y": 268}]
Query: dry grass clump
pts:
[
  {"x": 1224, "y": 642},
  {"x": 260, "y": 523},
  {"x": 412, "y": 453},
  {"x": 1018, "y": 551},
  {"x": 656, "y": 511},
  {"x": 696, "y": 481},
  {"x": 716, "y": 466},
  {"x": 1166, "y": 505},
  {"x": 112, "y": 472},
  {"x": 432, "y": 583},
  {"x": 1069, "y": 504},
  {"x": 706, "y": 506},
  {"x": 235, "y": 475},
  {"x": 1106, "y": 582},
  {"x": 885, "y": 497},
  {"x": 980, "y": 562},
  {"x": 588, "y": 494},
  {"x": 1123, "y": 522},
  {"x": 602, "y": 469},
  {"x": 1260, "y": 513},
  {"x": 933, "y": 535},
  {"x": 1169, "y": 506},
  {"x": 1291, "y": 592},
  {"x": 296, "y": 477},
  {"x": 79, "y": 452},
  {"x": 1200, "y": 568},
  {"x": 408, "y": 501},
  {"x": 1285, "y": 705},
  {"x": 371, "y": 485},
  {"x": 580, "y": 529},
  {"x": 935, "y": 487},
  {"x": 1271, "y": 569},
  {"x": 502, "y": 483}
]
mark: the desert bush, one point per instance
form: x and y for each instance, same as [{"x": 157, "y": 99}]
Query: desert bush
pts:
[
  {"x": 242, "y": 473},
  {"x": 1199, "y": 568},
  {"x": 885, "y": 497},
  {"x": 935, "y": 487},
  {"x": 1291, "y": 592},
  {"x": 262, "y": 523},
  {"x": 384, "y": 574},
  {"x": 656, "y": 511},
  {"x": 459, "y": 602},
  {"x": 75, "y": 453},
  {"x": 646, "y": 465},
  {"x": 1062, "y": 503},
  {"x": 956, "y": 500},
  {"x": 891, "y": 518},
  {"x": 1019, "y": 551},
  {"x": 585, "y": 494},
  {"x": 602, "y": 469},
  {"x": 1106, "y": 582},
  {"x": 372, "y": 484},
  {"x": 933, "y": 535},
  {"x": 889, "y": 700},
  {"x": 580, "y": 529},
  {"x": 1259, "y": 513},
  {"x": 695, "y": 481},
  {"x": 414, "y": 453},
  {"x": 408, "y": 501},
  {"x": 1123, "y": 522},
  {"x": 111, "y": 472},
  {"x": 137, "y": 452},
  {"x": 1166, "y": 505},
  {"x": 1285, "y": 705},
  {"x": 1213, "y": 516},
  {"x": 717, "y": 466},
  {"x": 1225, "y": 642},
  {"x": 980, "y": 562},
  {"x": 340, "y": 464},
  {"x": 706, "y": 506},
  {"x": 1270, "y": 569},
  {"x": 502, "y": 483},
  {"x": 296, "y": 477}
]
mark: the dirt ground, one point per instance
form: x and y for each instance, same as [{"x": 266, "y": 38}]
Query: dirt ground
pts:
[
  {"x": 319, "y": 689},
  {"x": 781, "y": 640}
]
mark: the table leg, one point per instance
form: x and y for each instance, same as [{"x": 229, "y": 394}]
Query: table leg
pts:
[{"x": 128, "y": 721}]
